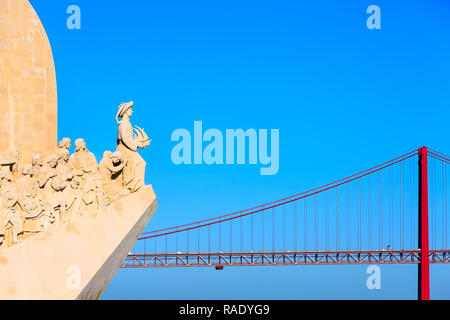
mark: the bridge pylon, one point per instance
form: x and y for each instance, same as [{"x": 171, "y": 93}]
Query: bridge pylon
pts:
[{"x": 424, "y": 265}]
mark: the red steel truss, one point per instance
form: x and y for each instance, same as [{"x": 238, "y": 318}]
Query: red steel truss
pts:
[{"x": 230, "y": 259}]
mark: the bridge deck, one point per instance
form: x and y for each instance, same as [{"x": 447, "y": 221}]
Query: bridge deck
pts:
[{"x": 221, "y": 259}]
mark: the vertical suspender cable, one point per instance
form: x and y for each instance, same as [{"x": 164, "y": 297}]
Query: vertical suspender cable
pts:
[
  {"x": 348, "y": 216},
  {"x": 209, "y": 238},
  {"x": 316, "y": 209},
  {"x": 327, "y": 220},
  {"x": 253, "y": 231},
  {"x": 198, "y": 238},
  {"x": 337, "y": 219},
  {"x": 305, "y": 226},
  {"x": 295, "y": 226},
  {"x": 401, "y": 206},
  {"x": 262, "y": 233},
  {"x": 176, "y": 239},
  {"x": 220, "y": 237},
  {"x": 431, "y": 201},
  {"x": 369, "y": 212},
  {"x": 391, "y": 225},
  {"x": 359, "y": 215},
  {"x": 411, "y": 204},
  {"x": 273, "y": 229},
  {"x": 380, "y": 211},
  {"x": 187, "y": 241},
  {"x": 435, "y": 203},
  {"x": 446, "y": 203},
  {"x": 242, "y": 234},
  {"x": 231, "y": 235},
  {"x": 284, "y": 227},
  {"x": 443, "y": 207}
]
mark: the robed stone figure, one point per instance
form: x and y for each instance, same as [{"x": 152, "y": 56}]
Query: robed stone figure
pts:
[{"x": 129, "y": 140}]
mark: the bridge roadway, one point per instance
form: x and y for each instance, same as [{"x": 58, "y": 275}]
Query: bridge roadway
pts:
[{"x": 281, "y": 258}]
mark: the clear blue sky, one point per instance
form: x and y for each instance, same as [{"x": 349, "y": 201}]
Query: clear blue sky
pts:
[{"x": 344, "y": 98}]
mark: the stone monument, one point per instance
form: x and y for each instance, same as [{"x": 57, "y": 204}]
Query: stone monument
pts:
[
  {"x": 28, "y": 99},
  {"x": 66, "y": 221}
]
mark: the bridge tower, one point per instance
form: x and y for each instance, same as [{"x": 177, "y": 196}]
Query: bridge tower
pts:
[{"x": 424, "y": 265}]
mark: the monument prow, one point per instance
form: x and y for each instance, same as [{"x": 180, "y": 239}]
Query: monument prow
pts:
[{"x": 76, "y": 260}]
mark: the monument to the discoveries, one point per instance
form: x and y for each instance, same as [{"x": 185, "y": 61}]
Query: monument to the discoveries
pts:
[
  {"x": 28, "y": 102},
  {"x": 66, "y": 221}
]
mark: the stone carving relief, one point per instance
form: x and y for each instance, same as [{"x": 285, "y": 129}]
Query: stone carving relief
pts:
[
  {"x": 52, "y": 190},
  {"x": 130, "y": 139}
]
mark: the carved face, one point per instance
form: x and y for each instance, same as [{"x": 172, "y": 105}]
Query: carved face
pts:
[
  {"x": 129, "y": 112},
  {"x": 52, "y": 161},
  {"x": 26, "y": 170},
  {"x": 63, "y": 155},
  {"x": 9, "y": 194},
  {"x": 116, "y": 158},
  {"x": 6, "y": 175},
  {"x": 75, "y": 183},
  {"x": 65, "y": 143},
  {"x": 37, "y": 160},
  {"x": 80, "y": 144}
]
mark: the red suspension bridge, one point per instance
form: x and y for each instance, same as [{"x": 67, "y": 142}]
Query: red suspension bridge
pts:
[{"x": 393, "y": 213}]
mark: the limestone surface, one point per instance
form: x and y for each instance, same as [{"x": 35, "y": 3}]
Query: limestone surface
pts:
[
  {"x": 28, "y": 96},
  {"x": 76, "y": 260}
]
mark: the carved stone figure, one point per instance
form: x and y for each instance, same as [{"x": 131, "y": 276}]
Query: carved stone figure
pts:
[
  {"x": 10, "y": 160},
  {"x": 53, "y": 187},
  {"x": 74, "y": 198},
  {"x": 65, "y": 175},
  {"x": 130, "y": 139},
  {"x": 85, "y": 165},
  {"x": 46, "y": 174},
  {"x": 36, "y": 165},
  {"x": 7, "y": 188},
  {"x": 65, "y": 143},
  {"x": 27, "y": 184},
  {"x": 64, "y": 171},
  {"x": 83, "y": 160},
  {"x": 38, "y": 214},
  {"x": 111, "y": 168},
  {"x": 8, "y": 201}
]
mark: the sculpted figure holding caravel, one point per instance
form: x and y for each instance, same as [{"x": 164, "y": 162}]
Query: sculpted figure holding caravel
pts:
[{"x": 129, "y": 140}]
